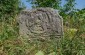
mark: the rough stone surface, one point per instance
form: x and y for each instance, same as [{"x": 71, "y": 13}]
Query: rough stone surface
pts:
[{"x": 44, "y": 23}]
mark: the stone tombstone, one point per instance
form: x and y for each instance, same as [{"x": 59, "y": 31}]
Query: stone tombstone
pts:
[{"x": 40, "y": 23}]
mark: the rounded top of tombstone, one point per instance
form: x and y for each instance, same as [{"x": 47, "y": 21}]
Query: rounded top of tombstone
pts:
[{"x": 40, "y": 9}]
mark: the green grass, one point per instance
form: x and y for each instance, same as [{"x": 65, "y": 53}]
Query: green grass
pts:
[
  {"x": 11, "y": 44},
  {"x": 72, "y": 43}
]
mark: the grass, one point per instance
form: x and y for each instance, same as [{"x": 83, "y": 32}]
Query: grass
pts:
[
  {"x": 72, "y": 43},
  {"x": 20, "y": 46}
]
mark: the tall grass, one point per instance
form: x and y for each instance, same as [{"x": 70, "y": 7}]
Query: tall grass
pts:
[{"x": 72, "y": 43}]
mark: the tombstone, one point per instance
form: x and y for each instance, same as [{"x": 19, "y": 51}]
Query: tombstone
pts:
[{"x": 40, "y": 23}]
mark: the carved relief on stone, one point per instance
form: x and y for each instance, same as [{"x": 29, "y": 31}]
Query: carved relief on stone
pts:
[{"x": 41, "y": 22}]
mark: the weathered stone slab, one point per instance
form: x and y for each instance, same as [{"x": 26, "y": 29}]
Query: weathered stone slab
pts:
[{"x": 43, "y": 23}]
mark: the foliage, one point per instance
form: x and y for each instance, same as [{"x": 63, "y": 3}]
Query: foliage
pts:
[
  {"x": 69, "y": 6},
  {"x": 46, "y": 3},
  {"x": 20, "y": 46},
  {"x": 8, "y": 8},
  {"x": 8, "y": 12}
]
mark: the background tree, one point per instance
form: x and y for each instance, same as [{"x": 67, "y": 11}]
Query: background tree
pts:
[
  {"x": 8, "y": 7},
  {"x": 46, "y": 3},
  {"x": 69, "y": 6}
]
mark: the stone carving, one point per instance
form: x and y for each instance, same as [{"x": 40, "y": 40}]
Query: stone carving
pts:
[{"x": 43, "y": 23}]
